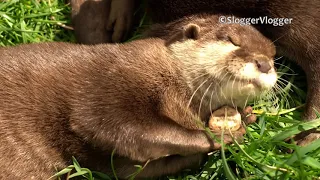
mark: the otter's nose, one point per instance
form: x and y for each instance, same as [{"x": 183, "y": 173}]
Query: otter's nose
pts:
[{"x": 263, "y": 66}]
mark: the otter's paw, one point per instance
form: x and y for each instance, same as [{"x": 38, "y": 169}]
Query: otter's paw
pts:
[
  {"x": 228, "y": 118},
  {"x": 247, "y": 116},
  {"x": 120, "y": 19},
  {"x": 307, "y": 138},
  {"x": 229, "y": 138}
]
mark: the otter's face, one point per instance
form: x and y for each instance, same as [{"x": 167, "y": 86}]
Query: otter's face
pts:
[
  {"x": 246, "y": 66},
  {"x": 229, "y": 65}
]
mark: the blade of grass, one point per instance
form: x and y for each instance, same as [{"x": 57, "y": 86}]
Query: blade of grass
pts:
[
  {"x": 288, "y": 132},
  {"x": 63, "y": 171}
]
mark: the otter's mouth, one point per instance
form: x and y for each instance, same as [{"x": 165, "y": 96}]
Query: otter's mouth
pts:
[
  {"x": 261, "y": 83},
  {"x": 255, "y": 82}
]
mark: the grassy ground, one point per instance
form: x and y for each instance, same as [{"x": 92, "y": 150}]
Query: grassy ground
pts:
[
  {"x": 28, "y": 21},
  {"x": 263, "y": 155}
]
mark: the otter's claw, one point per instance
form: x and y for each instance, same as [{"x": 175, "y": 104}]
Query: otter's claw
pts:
[{"x": 247, "y": 115}]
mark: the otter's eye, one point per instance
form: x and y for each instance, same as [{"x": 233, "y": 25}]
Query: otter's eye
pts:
[{"x": 234, "y": 39}]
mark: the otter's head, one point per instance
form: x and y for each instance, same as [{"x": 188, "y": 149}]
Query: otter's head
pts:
[{"x": 224, "y": 64}]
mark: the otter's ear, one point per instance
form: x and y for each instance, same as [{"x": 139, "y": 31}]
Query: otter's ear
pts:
[{"x": 191, "y": 31}]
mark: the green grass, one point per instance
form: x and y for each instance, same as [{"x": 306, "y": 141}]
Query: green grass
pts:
[
  {"x": 29, "y": 21},
  {"x": 264, "y": 153}
]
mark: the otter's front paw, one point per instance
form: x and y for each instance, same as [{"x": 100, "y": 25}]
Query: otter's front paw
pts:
[
  {"x": 120, "y": 19},
  {"x": 228, "y": 118}
]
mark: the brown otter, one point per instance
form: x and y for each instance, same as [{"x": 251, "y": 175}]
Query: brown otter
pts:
[
  {"x": 299, "y": 41},
  {"x": 141, "y": 99}
]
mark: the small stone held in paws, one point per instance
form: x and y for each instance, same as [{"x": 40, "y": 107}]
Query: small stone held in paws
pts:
[{"x": 225, "y": 118}]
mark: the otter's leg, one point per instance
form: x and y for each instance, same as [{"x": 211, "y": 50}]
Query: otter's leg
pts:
[
  {"x": 89, "y": 20},
  {"x": 159, "y": 137},
  {"x": 313, "y": 94},
  {"x": 312, "y": 70},
  {"x": 148, "y": 137},
  {"x": 163, "y": 166}
]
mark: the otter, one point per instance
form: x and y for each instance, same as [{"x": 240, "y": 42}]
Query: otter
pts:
[
  {"x": 147, "y": 101},
  {"x": 299, "y": 40}
]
